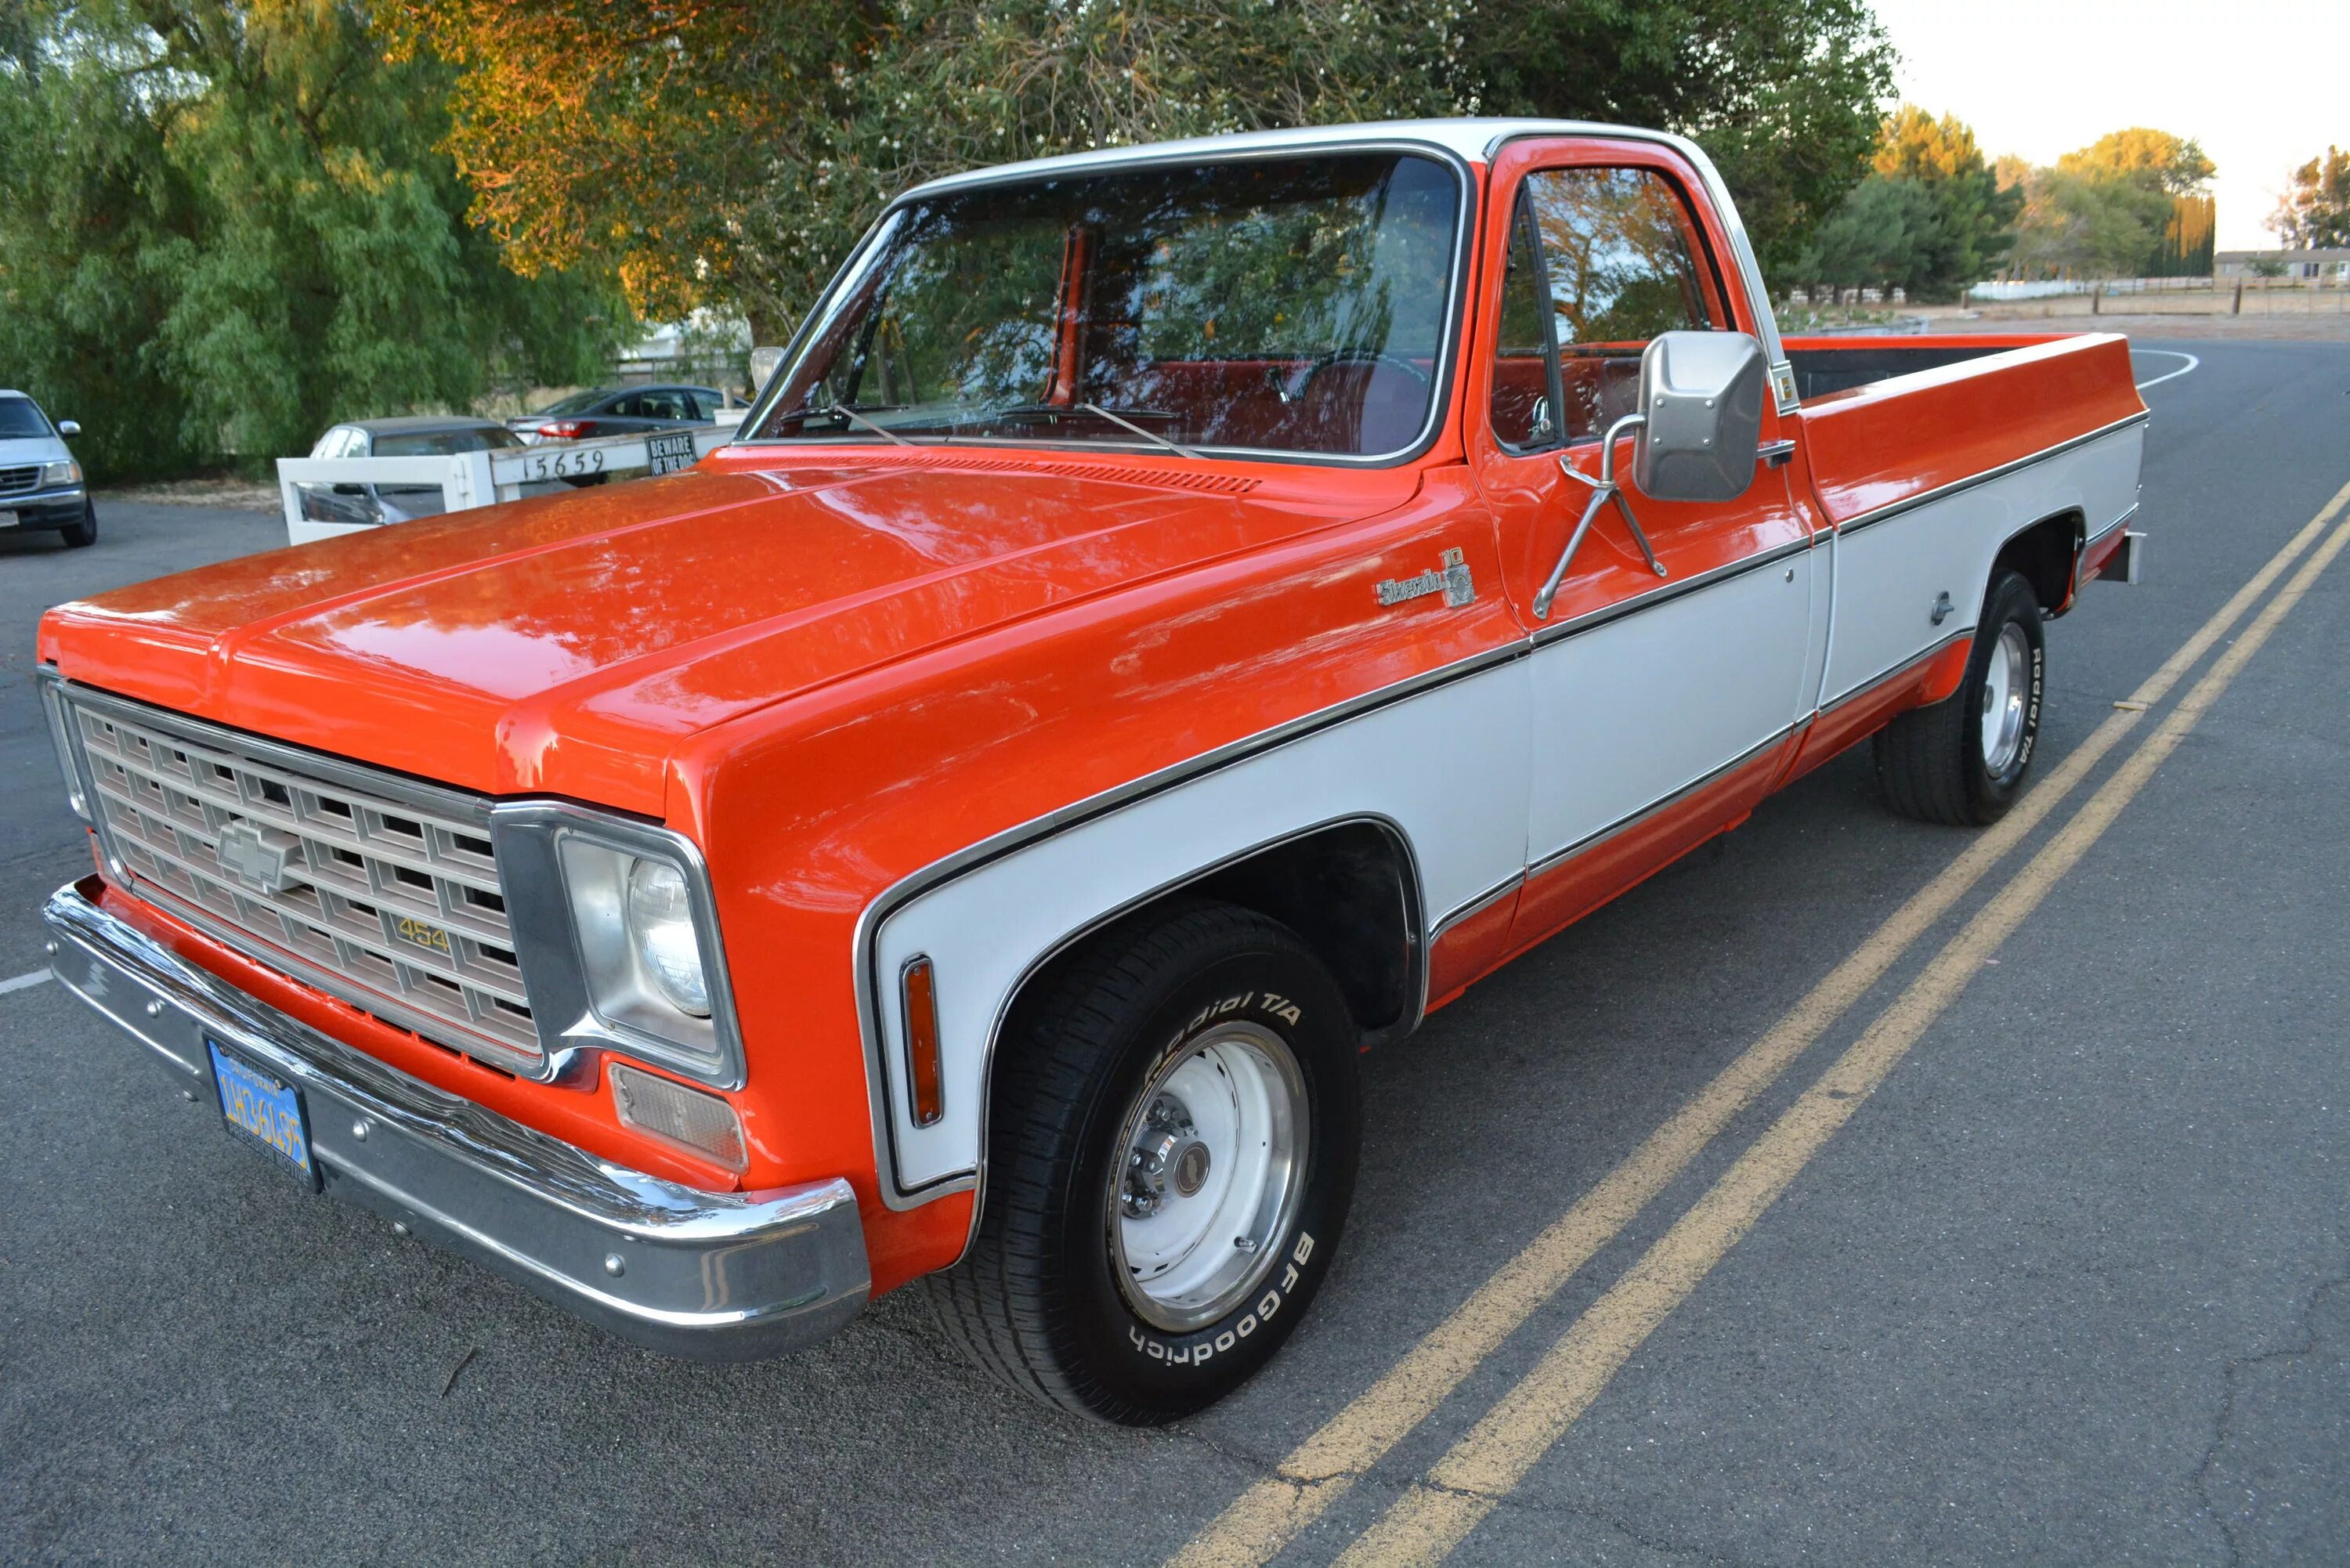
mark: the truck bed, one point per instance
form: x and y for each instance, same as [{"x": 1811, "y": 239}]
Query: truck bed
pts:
[
  {"x": 1930, "y": 454},
  {"x": 1892, "y": 418}
]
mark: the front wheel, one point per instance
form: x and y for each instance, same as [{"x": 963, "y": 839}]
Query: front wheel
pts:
[
  {"x": 84, "y": 532},
  {"x": 1172, "y": 1151},
  {"x": 1962, "y": 761}
]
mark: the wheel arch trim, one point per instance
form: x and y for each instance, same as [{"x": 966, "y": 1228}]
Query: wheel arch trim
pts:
[{"x": 1416, "y": 937}]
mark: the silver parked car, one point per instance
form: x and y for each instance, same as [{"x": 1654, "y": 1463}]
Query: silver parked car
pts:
[
  {"x": 40, "y": 483},
  {"x": 416, "y": 435}
]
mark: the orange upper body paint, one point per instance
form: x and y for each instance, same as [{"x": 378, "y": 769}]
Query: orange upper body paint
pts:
[{"x": 834, "y": 665}]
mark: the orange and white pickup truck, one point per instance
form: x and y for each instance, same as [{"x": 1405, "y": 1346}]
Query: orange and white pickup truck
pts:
[{"x": 1177, "y": 617}]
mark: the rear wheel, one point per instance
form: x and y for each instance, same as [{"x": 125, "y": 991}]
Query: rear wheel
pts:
[
  {"x": 1962, "y": 761},
  {"x": 84, "y": 532},
  {"x": 1171, "y": 1155}
]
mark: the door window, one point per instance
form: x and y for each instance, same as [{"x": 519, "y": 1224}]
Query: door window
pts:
[
  {"x": 1601, "y": 261},
  {"x": 1525, "y": 371}
]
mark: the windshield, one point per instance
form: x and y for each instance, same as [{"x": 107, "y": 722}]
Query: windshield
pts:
[
  {"x": 19, "y": 419},
  {"x": 437, "y": 443},
  {"x": 1295, "y": 304},
  {"x": 576, "y": 403}
]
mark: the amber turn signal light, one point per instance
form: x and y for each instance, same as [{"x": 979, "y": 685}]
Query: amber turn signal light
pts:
[{"x": 922, "y": 1043}]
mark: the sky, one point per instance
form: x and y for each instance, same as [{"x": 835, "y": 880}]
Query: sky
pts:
[{"x": 2264, "y": 86}]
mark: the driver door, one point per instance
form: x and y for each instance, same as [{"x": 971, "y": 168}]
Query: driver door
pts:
[{"x": 1663, "y": 704}]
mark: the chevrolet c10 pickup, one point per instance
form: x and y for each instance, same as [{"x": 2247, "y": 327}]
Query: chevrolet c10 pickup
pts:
[{"x": 1177, "y": 617}]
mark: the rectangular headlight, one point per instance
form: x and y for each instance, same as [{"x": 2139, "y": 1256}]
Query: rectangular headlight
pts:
[
  {"x": 53, "y": 704},
  {"x": 67, "y": 472},
  {"x": 618, "y": 937}
]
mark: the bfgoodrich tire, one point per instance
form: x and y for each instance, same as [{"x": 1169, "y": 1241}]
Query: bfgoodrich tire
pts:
[
  {"x": 1962, "y": 761},
  {"x": 1172, "y": 1151}
]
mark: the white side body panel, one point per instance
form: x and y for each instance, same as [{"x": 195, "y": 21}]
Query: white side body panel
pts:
[
  {"x": 1640, "y": 708},
  {"x": 1447, "y": 766},
  {"x": 1887, "y": 574}
]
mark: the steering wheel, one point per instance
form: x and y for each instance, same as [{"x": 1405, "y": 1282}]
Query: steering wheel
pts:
[{"x": 1338, "y": 357}]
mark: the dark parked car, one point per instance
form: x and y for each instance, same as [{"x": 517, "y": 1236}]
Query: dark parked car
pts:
[
  {"x": 419, "y": 435},
  {"x": 625, "y": 410},
  {"x": 40, "y": 483}
]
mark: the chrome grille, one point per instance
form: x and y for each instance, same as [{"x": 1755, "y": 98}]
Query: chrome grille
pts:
[
  {"x": 20, "y": 480},
  {"x": 384, "y": 894}
]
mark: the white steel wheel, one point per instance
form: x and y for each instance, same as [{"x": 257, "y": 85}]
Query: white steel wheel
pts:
[
  {"x": 2007, "y": 683},
  {"x": 1209, "y": 1165}
]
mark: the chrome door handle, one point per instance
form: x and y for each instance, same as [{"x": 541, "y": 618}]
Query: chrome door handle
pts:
[{"x": 1776, "y": 453}]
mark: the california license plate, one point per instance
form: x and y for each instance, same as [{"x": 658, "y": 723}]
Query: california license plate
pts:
[
  {"x": 265, "y": 1112},
  {"x": 669, "y": 452}
]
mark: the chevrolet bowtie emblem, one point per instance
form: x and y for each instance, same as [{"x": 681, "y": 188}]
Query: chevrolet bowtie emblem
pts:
[
  {"x": 1451, "y": 580},
  {"x": 258, "y": 857}
]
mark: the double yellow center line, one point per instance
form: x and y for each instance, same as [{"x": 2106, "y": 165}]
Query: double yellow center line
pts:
[{"x": 1468, "y": 1482}]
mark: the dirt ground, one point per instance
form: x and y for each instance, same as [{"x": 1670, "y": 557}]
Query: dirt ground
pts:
[
  {"x": 236, "y": 494},
  {"x": 2323, "y": 317}
]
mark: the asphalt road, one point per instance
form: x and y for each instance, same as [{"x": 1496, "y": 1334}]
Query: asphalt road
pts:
[{"x": 2072, "y": 1285}]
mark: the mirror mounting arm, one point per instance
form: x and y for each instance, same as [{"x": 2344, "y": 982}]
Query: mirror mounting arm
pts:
[{"x": 1604, "y": 489}]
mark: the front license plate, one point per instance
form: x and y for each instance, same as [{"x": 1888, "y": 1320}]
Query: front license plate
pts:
[
  {"x": 265, "y": 1113},
  {"x": 668, "y": 452},
  {"x": 8, "y": 519}
]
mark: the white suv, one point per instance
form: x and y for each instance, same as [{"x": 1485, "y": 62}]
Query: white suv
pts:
[{"x": 40, "y": 483}]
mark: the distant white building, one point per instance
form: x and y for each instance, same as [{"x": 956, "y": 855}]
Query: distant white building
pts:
[{"x": 2304, "y": 265}]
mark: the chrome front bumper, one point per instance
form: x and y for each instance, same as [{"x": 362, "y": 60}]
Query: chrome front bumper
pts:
[{"x": 714, "y": 1276}]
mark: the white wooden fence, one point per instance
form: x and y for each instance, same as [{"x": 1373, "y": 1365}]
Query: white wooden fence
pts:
[{"x": 470, "y": 479}]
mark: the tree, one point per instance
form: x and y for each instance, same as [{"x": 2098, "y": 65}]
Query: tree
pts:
[
  {"x": 1930, "y": 218},
  {"x": 2315, "y": 211},
  {"x": 729, "y": 151},
  {"x": 229, "y": 227},
  {"x": 1912, "y": 144},
  {"x": 2132, "y": 203},
  {"x": 2077, "y": 226},
  {"x": 2174, "y": 175},
  {"x": 1880, "y": 237},
  {"x": 2155, "y": 159},
  {"x": 1785, "y": 95}
]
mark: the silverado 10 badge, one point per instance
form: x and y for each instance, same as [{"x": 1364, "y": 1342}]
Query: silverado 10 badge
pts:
[{"x": 1451, "y": 580}]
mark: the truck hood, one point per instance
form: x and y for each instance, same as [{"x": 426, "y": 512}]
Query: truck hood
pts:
[{"x": 567, "y": 644}]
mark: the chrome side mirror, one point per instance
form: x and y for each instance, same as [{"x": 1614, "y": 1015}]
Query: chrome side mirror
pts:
[
  {"x": 1696, "y": 436},
  {"x": 1702, "y": 401},
  {"x": 68, "y": 428}
]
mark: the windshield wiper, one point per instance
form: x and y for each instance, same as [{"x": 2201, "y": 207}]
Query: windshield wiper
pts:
[
  {"x": 848, "y": 412},
  {"x": 1178, "y": 450},
  {"x": 1026, "y": 412}
]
